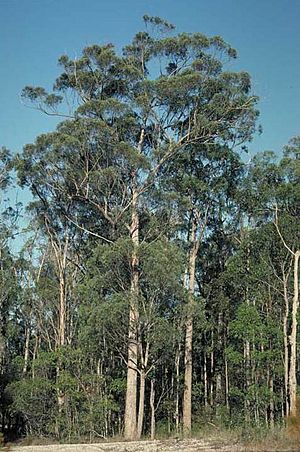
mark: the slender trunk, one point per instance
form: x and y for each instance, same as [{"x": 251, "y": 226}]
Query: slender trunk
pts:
[
  {"x": 218, "y": 389},
  {"x": 187, "y": 394},
  {"x": 226, "y": 380},
  {"x": 34, "y": 354},
  {"x": 272, "y": 408},
  {"x": 247, "y": 359},
  {"x": 130, "y": 431},
  {"x": 247, "y": 379},
  {"x": 61, "y": 398},
  {"x": 62, "y": 311},
  {"x": 283, "y": 405},
  {"x": 286, "y": 346},
  {"x": 188, "y": 371},
  {"x": 212, "y": 370},
  {"x": 141, "y": 404},
  {"x": 293, "y": 339},
  {"x": 220, "y": 346},
  {"x": 152, "y": 407},
  {"x": 60, "y": 249},
  {"x": 177, "y": 363},
  {"x": 254, "y": 379},
  {"x": 26, "y": 350},
  {"x": 256, "y": 409},
  {"x": 205, "y": 379}
]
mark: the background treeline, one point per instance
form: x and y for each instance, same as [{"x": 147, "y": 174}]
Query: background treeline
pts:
[{"x": 159, "y": 287}]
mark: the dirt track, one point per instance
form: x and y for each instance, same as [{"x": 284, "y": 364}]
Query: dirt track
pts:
[
  {"x": 192, "y": 445},
  {"x": 138, "y": 446}
]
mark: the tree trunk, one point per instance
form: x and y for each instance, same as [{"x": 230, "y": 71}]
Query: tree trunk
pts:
[
  {"x": 212, "y": 370},
  {"x": 226, "y": 376},
  {"x": 62, "y": 311},
  {"x": 272, "y": 407},
  {"x": 61, "y": 398},
  {"x": 286, "y": 345},
  {"x": 205, "y": 380},
  {"x": 293, "y": 339},
  {"x": 187, "y": 394},
  {"x": 130, "y": 431},
  {"x": 177, "y": 367},
  {"x": 152, "y": 407},
  {"x": 26, "y": 350},
  {"x": 247, "y": 379},
  {"x": 34, "y": 354},
  {"x": 141, "y": 404},
  {"x": 130, "y": 418},
  {"x": 188, "y": 359}
]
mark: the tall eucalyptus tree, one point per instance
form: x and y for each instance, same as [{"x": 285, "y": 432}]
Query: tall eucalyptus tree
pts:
[{"x": 124, "y": 116}]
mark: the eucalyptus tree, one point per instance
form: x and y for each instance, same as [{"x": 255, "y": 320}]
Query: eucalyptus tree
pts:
[
  {"x": 201, "y": 185},
  {"x": 271, "y": 196},
  {"x": 124, "y": 117}
]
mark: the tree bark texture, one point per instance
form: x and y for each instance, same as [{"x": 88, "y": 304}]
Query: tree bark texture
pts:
[
  {"x": 188, "y": 358},
  {"x": 293, "y": 339}
]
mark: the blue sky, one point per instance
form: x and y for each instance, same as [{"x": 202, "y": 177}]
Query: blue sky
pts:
[{"x": 34, "y": 33}]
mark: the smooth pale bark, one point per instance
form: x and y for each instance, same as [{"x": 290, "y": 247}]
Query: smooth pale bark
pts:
[
  {"x": 226, "y": 384},
  {"x": 130, "y": 421},
  {"x": 130, "y": 417},
  {"x": 62, "y": 311},
  {"x": 60, "y": 250},
  {"x": 141, "y": 404},
  {"x": 187, "y": 394},
  {"x": 294, "y": 324},
  {"x": 26, "y": 349},
  {"x": 177, "y": 367},
  {"x": 286, "y": 344},
  {"x": 247, "y": 357},
  {"x": 212, "y": 371},
  {"x": 272, "y": 407},
  {"x": 61, "y": 398},
  {"x": 293, "y": 339},
  {"x": 144, "y": 357},
  {"x": 152, "y": 407},
  {"x": 188, "y": 350},
  {"x": 247, "y": 380},
  {"x": 205, "y": 380}
]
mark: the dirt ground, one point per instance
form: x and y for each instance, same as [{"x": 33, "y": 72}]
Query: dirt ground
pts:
[{"x": 192, "y": 445}]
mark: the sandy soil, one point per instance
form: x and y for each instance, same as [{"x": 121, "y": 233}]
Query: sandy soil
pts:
[
  {"x": 192, "y": 445},
  {"x": 137, "y": 446}
]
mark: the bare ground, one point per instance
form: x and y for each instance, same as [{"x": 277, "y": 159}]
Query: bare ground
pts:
[{"x": 191, "y": 445}]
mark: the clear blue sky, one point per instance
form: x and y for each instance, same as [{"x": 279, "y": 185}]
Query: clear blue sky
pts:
[{"x": 34, "y": 33}]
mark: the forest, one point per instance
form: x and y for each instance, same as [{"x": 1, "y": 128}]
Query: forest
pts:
[{"x": 157, "y": 290}]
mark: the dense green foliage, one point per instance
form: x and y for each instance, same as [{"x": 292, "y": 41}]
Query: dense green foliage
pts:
[{"x": 151, "y": 140}]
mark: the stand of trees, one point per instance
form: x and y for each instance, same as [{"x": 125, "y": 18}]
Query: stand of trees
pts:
[{"x": 159, "y": 289}]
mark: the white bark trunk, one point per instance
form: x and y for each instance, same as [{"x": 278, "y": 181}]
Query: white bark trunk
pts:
[
  {"x": 141, "y": 404},
  {"x": 152, "y": 407},
  {"x": 26, "y": 350},
  {"x": 293, "y": 339},
  {"x": 286, "y": 346},
  {"x": 130, "y": 431},
  {"x": 188, "y": 357}
]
